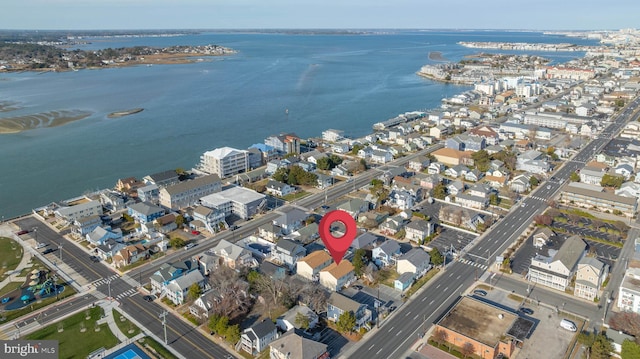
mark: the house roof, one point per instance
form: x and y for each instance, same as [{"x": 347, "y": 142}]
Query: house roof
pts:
[
  {"x": 295, "y": 346},
  {"x": 289, "y": 245},
  {"x": 593, "y": 262},
  {"x": 571, "y": 251},
  {"x": 203, "y": 211},
  {"x": 390, "y": 247},
  {"x": 339, "y": 270},
  {"x": 419, "y": 225},
  {"x": 185, "y": 186},
  {"x": 343, "y": 302},
  {"x": 363, "y": 240},
  {"x": 352, "y": 205},
  {"x": 166, "y": 219},
  {"x": 316, "y": 259},
  {"x": 232, "y": 251},
  {"x": 290, "y": 216},
  {"x": 290, "y": 315},
  {"x": 146, "y": 208},
  {"x": 164, "y": 176},
  {"x": 184, "y": 282},
  {"x": 263, "y": 328},
  {"x": 416, "y": 256}
]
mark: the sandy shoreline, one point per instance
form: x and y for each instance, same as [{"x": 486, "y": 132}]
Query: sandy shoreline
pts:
[{"x": 40, "y": 120}]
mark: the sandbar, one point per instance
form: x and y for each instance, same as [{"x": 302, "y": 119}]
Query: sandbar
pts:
[{"x": 54, "y": 118}]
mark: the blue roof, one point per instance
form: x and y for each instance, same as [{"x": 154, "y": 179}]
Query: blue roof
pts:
[{"x": 262, "y": 147}]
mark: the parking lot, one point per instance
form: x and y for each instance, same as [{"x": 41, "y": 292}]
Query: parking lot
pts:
[
  {"x": 449, "y": 237},
  {"x": 547, "y": 339}
]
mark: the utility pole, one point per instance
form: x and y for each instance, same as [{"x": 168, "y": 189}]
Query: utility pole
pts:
[
  {"x": 163, "y": 315},
  {"x": 109, "y": 285}
]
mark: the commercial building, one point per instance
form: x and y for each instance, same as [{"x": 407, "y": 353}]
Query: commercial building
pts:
[
  {"x": 224, "y": 162},
  {"x": 187, "y": 193},
  {"x": 240, "y": 201},
  {"x": 489, "y": 329}
]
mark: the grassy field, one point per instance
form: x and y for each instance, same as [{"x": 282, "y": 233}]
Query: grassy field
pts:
[
  {"x": 73, "y": 342},
  {"x": 125, "y": 325},
  {"x": 10, "y": 255}
]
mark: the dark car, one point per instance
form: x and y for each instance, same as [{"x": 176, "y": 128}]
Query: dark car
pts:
[
  {"x": 526, "y": 311},
  {"x": 94, "y": 259},
  {"x": 480, "y": 292},
  {"x": 233, "y": 227},
  {"x": 357, "y": 286},
  {"x": 148, "y": 298},
  {"x": 48, "y": 250},
  {"x": 19, "y": 233}
]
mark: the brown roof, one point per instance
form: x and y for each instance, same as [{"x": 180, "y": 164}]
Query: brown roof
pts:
[
  {"x": 166, "y": 219},
  {"x": 316, "y": 258},
  {"x": 450, "y": 152},
  {"x": 497, "y": 179},
  {"x": 339, "y": 270},
  {"x": 596, "y": 164},
  {"x": 478, "y": 320}
]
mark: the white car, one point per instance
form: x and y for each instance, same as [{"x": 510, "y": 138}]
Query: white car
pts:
[{"x": 40, "y": 245}]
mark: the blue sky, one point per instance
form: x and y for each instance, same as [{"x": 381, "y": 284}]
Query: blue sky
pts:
[{"x": 354, "y": 14}]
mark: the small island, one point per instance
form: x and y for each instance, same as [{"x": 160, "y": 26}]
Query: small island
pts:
[{"x": 124, "y": 113}]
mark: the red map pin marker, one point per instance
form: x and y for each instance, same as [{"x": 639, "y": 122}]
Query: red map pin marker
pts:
[{"x": 337, "y": 245}]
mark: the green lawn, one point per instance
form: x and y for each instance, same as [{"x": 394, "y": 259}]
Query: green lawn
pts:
[
  {"x": 156, "y": 348},
  {"x": 125, "y": 325},
  {"x": 10, "y": 255},
  {"x": 73, "y": 343}
]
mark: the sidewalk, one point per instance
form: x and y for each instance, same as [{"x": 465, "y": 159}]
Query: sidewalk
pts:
[{"x": 108, "y": 306}]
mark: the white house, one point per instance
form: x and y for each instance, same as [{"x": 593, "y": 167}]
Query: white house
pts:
[{"x": 557, "y": 269}]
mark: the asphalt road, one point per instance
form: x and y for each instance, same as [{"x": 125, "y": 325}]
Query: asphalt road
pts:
[
  {"x": 401, "y": 331},
  {"x": 181, "y": 336}
]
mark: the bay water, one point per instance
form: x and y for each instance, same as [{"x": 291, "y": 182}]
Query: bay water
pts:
[{"x": 345, "y": 81}]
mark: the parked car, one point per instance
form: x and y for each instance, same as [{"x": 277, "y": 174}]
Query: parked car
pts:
[
  {"x": 480, "y": 292},
  {"x": 233, "y": 227},
  {"x": 148, "y": 298},
  {"x": 189, "y": 246},
  {"x": 40, "y": 245},
  {"x": 195, "y": 233},
  {"x": 94, "y": 258},
  {"x": 19, "y": 233},
  {"x": 48, "y": 250},
  {"x": 568, "y": 325}
]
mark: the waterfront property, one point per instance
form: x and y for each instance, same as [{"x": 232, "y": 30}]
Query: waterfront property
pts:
[{"x": 224, "y": 162}]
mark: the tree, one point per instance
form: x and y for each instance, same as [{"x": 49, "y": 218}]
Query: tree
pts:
[
  {"x": 440, "y": 336},
  {"x": 628, "y": 322},
  {"x": 302, "y": 321},
  {"x": 494, "y": 200},
  {"x": 467, "y": 349},
  {"x": 543, "y": 220},
  {"x": 177, "y": 242},
  {"x": 575, "y": 218},
  {"x": 440, "y": 191},
  {"x": 232, "y": 291},
  {"x": 611, "y": 181},
  {"x": 601, "y": 347},
  {"x": 574, "y": 177},
  {"x": 359, "y": 261},
  {"x": 596, "y": 223},
  {"x": 232, "y": 334},
  {"x": 630, "y": 350},
  {"x": 436, "y": 257},
  {"x": 533, "y": 181},
  {"x": 281, "y": 175},
  {"x": 194, "y": 291},
  {"x": 481, "y": 160},
  {"x": 346, "y": 322},
  {"x": 323, "y": 163},
  {"x": 180, "y": 221}
]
